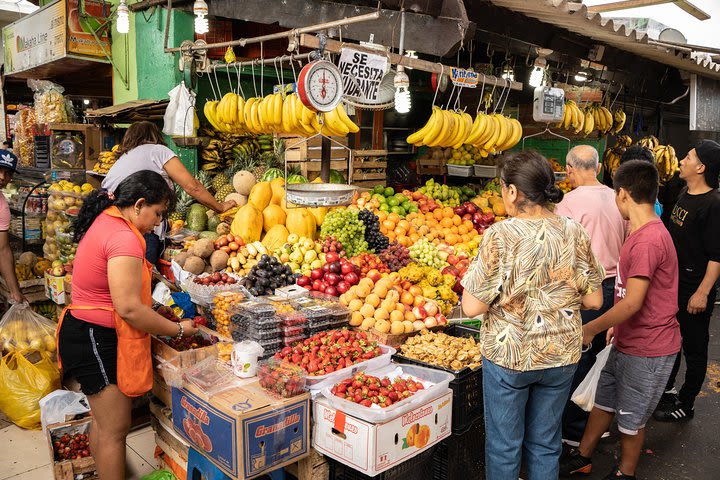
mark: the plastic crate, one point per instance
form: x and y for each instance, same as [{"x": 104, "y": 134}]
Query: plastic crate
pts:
[
  {"x": 467, "y": 387},
  {"x": 485, "y": 171},
  {"x": 461, "y": 456},
  {"x": 460, "y": 170},
  {"x": 419, "y": 467}
]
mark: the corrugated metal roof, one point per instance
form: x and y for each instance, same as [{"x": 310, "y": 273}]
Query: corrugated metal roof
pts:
[{"x": 592, "y": 25}]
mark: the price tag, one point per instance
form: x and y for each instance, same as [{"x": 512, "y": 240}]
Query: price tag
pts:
[{"x": 463, "y": 78}]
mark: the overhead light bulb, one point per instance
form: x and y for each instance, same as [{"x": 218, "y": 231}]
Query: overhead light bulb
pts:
[
  {"x": 123, "y": 18},
  {"x": 537, "y": 76},
  {"x": 581, "y": 76},
  {"x": 86, "y": 102},
  {"x": 402, "y": 91},
  {"x": 200, "y": 9},
  {"x": 508, "y": 74}
]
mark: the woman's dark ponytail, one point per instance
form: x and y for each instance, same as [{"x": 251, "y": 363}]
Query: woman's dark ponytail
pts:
[
  {"x": 532, "y": 175},
  {"x": 145, "y": 184}
]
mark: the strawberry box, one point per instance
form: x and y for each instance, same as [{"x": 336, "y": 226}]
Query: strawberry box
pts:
[
  {"x": 207, "y": 341},
  {"x": 70, "y": 449}
]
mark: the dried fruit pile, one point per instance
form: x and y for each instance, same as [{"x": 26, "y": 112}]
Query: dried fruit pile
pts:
[{"x": 442, "y": 350}]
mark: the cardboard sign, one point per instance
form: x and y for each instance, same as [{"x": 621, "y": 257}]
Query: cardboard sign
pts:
[
  {"x": 463, "y": 78},
  {"x": 362, "y": 73}
]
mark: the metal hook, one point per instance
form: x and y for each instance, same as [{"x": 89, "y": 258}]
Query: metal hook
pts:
[
  {"x": 262, "y": 70},
  {"x": 442, "y": 71},
  {"x": 252, "y": 68},
  {"x": 487, "y": 52},
  {"x": 482, "y": 92}
]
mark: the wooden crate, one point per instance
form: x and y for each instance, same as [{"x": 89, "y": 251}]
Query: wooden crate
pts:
[
  {"x": 297, "y": 149},
  {"x": 34, "y": 290},
  {"x": 69, "y": 469},
  {"x": 313, "y": 467},
  {"x": 363, "y": 166},
  {"x": 431, "y": 166}
]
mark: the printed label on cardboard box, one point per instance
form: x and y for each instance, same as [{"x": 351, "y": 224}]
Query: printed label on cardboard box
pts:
[
  {"x": 274, "y": 438},
  {"x": 208, "y": 429}
]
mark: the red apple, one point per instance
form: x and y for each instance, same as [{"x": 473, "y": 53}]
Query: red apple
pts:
[
  {"x": 326, "y": 268},
  {"x": 453, "y": 259},
  {"x": 331, "y": 291},
  {"x": 471, "y": 208},
  {"x": 347, "y": 267},
  {"x": 352, "y": 278},
  {"x": 335, "y": 267},
  {"x": 419, "y": 312},
  {"x": 316, "y": 274},
  {"x": 304, "y": 281},
  {"x": 317, "y": 285},
  {"x": 342, "y": 286},
  {"x": 374, "y": 275},
  {"x": 331, "y": 257},
  {"x": 477, "y": 217},
  {"x": 459, "y": 211},
  {"x": 332, "y": 278},
  {"x": 467, "y": 216}
]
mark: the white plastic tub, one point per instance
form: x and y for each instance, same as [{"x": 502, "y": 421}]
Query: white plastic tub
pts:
[
  {"x": 436, "y": 383},
  {"x": 318, "y": 382}
]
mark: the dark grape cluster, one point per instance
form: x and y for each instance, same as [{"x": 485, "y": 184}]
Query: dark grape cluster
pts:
[
  {"x": 396, "y": 256},
  {"x": 268, "y": 275},
  {"x": 377, "y": 242}
]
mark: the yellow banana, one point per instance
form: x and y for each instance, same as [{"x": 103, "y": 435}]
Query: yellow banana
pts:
[
  {"x": 418, "y": 136},
  {"x": 475, "y": 129},
  {"x": 488, "y": 132},
  {"x": 435, "y": 129},
  {"x": 336, "y": 123},
  {"x": 352, "y": 127},
  {"x": 589, "y": 122}
]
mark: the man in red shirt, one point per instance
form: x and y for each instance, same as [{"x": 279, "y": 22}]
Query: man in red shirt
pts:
[
  {"x": 646, "y": 330},
  {"x": 8, "y": 165}
]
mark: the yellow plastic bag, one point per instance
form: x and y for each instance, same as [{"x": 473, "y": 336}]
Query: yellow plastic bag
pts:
[{"x": 23, "y": 382}]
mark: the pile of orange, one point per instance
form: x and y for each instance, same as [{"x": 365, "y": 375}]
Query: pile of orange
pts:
[{"x": 439, "y": 226}]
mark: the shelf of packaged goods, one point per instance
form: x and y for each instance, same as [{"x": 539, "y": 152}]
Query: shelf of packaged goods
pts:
[{"x": 19, "y": 211}]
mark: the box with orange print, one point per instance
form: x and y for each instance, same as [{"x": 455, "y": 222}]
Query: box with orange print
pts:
[
  {"x": 243, "y": 430},
  {"x": 372, "y": 448}
]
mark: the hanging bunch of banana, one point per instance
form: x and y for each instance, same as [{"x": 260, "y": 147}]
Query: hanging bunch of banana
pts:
[
  {"x": 603, "y": 119},
  {"x": 666, "y": 161},
  {"x": 650, "y": 142},
  {"x": 619, "y": 119},
  {"x": 491, "y": 133},
  {"x": 611, "y": 157},
  {"x": 275, "y": 113},
  {"x": 573, "y": 117},
  {"x": 222, "y": 149}
]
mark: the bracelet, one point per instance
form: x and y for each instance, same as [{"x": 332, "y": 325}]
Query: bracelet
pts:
[{"x": 181, "y": 331}]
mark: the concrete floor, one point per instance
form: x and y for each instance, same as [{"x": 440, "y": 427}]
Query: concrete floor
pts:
[{"x": 682, "y": 451}]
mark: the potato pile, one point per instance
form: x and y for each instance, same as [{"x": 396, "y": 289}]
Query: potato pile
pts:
[{"x": 442, "y": 350}]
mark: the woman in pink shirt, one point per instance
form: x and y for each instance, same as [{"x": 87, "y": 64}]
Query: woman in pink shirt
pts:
[{"x": 112, "y": 313}]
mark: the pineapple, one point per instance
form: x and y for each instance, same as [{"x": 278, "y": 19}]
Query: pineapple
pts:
[
  {"x": 219, "y": 181},
  {"x": 223, "y": 192},
  {"x": 204, "y": 178},
  {"x": 182, "y": 205}
]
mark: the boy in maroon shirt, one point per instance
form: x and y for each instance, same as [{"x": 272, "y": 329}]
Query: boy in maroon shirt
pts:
[{"x": 646, "y": 331}]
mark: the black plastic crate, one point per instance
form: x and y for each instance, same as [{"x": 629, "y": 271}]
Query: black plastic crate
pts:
[
  {"x": 466, "y": 387},
  {"x": 461, "y": 456},
  {"x": 419, "y": 467}
]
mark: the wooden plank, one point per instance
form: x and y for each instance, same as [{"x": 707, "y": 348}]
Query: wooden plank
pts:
[
  {"x": 361, "y": 164},
  {"x": 335, "y": 165},
  {"x": 369, "y": 176},
  {"x": 334, "y": 46},
  {"x": 369, "y": 153}
]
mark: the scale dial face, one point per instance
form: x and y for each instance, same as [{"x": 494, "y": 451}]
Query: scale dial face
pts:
[{"x": 320, "y": 86}]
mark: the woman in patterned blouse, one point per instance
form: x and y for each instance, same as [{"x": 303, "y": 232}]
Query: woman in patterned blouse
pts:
[{"x": 533, "y": 274}]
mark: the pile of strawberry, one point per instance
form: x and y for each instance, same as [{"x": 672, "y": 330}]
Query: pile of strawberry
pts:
[
  {"x": 71, "y": 447},
  {"x": 367, "y": 390},
  {"x": 327, "y": 352}
]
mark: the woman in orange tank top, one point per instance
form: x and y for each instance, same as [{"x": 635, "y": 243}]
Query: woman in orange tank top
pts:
[{"x": 103, "y": 340}]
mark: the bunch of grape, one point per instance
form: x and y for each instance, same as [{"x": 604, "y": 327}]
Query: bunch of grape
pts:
[
  {"x": 345, "y": 226},
  {"x": 396, "y": 256},
  {"x": 375, "y": 240},
  {"x": 425, "y": 253},
  {"x": 330, "y": 244}
]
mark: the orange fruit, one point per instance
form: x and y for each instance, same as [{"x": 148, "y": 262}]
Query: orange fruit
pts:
[
  {"x": 454, "y": 229},
  {"x": 446, "y": 222},
  {"x": 457, "y": 221},
  {"x": 447, "y": 212},
  {"x": 388, "y": 224},
  {"x": 438, "y": 214},
  {"x": 382, "y": 216},
  {"x": 468, "y": 224},
  {"x": 394, "y": 217},
  {"x": 452, "y": 238},
  {"x": 462, "y": 230},
  {"x": 391, "y": 235},
  {"x": 404, "y": 224}
]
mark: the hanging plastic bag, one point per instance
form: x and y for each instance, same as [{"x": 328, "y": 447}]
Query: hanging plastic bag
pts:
[
  {"x": 62, "y": 406},
  {"x": 180, "y": 113},
  {"x": 49, "y": 101},
  {"x": 23, "y": 382},
  {"x": 23, "y": 330},
  {"x": 584, "y": 394}
]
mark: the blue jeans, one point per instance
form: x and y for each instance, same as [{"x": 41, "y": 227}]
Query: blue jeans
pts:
[{"x": 522, "y": 419}]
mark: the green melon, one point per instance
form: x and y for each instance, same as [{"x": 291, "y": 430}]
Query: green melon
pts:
[
  {"x": 336, "y": 177},
  {"x": 271, "y": 174},
  {"x": 197, "y": 218}
]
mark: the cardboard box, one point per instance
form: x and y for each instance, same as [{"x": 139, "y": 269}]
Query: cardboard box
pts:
[
  {"x": 373, "y": 448},
  {"x": 55, "y": 288},
  {"x": 244, "y": 431},
  {"x": 185, "y": 358}
]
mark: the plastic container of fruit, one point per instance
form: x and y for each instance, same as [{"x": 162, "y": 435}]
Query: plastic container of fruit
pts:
[
  {"x": 292, "y": 330},
  {"x": 317, "y": 316},
  {"x": 205, "y": 294},
  {"x": 281, "y": 378},
  {"x": 255, "y": 309},
  {"x": 292, "y": 319},
  {"x": 436, "y": 383},
  {"x": 272, "y": 345},
  {"x": 318, "y": 382},
  {"x": 254, "y": 334}
]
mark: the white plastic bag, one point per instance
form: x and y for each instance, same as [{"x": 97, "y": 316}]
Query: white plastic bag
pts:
[
  {"x": 584, "y": 394},
  {"x": 180, "y": 113},
  {"x": 61, "y": 406}
]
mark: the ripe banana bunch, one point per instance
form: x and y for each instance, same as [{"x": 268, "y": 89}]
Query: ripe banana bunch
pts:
[
  {"x": 274, "y": 113},
  {"x": 573, "y": 117},
  {"x": 650, "y": 142},
  {"x": 491, "y": 133},
  {"x": 619, "y": 119},
  {"x": 666, "y": 161},
  {"x": 23, "y": 272},
  {"x": 106, "y": 160},
  {"x": 603, "y": 119},
  {"x": 611, "y": 157}
]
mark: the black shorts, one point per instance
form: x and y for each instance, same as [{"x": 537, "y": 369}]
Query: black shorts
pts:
[{"x": 88, "y": 353}]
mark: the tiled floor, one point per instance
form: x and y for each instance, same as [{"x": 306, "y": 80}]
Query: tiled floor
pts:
[{"x": 25, "y": 454}]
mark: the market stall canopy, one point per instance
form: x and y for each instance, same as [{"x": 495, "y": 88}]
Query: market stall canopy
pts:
[
  {"x": 448, "y": 30},
  {"x": 129, "y": 112},
  {"x": 580, "y": 20}
]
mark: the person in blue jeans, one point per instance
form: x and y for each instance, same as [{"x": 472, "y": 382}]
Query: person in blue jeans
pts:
[{"x": 533, "y": 274}]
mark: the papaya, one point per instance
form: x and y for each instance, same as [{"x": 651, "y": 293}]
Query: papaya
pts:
[
  {"x": 260, "y": 195},
  {"x": 319, "y": 214},
  {"x": 278, "y": 191},
  {"x": 248, "y": 223},
  {"x": 301, "y": 222},
  {"x": 273, "y": 215},
  {"x": 276, "y": 237}
]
